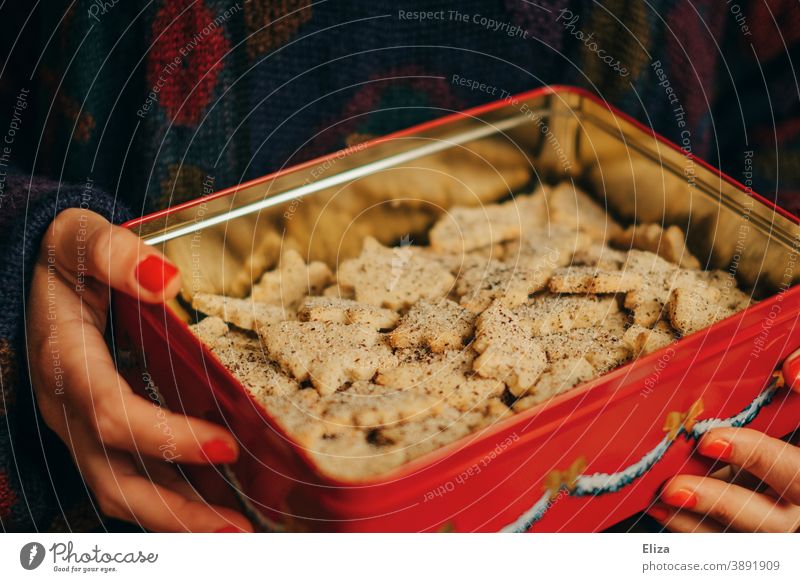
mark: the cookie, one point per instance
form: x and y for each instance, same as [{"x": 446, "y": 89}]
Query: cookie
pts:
[
  {"x": 335, "y": 291},
  {"x": 456, "y": 263},
  {"x": 592, "y": 280},
  {"x": 447, "y": 426},
  {"x": 545, "y": 314},
  {"x": 209, "y": 329},
  {"x": 552, "y": 246},
  {"x": 328, "y": 354},
  {"x": 262, "y": 252},
  {"x": 243, "y": 313},
  {"x": 642, "y": 341},
  {"x": 473, "y": 392},
  {"x": 600, "y": 256},
  {"x": 560, "y": 376},
  {"x": 570, "y": 206},
  {"x": 507, "y": 351},
  {"x": 423, "y": 370},
  {"x": 369, "y": 405},
  {"x": 393, "y": 277},
  {"x": 299, "y": 414},
  {"x": 616, "y": 322},
  {"x": 691, "y": 310},
  {"x": 441, "y": 326},
  {"x": 347, "y": 311},
  {"x": 602, "y": 348},
  {"x": 347, "y": 454},
  {"x": 659, "y": 277},
  {"x": 464, "y": 229},
  {"x": 291, "y": 281},
  {"x": 448, "y": 377},
  {"x": 243, "y": 355},
  {"x": 731, "y": 297},
  {"x": 668, "y": 243},
  {"x": 511, "y": 283}
]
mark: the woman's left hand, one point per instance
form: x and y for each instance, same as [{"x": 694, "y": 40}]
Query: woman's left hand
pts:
[{"x": 759, "y": 493}]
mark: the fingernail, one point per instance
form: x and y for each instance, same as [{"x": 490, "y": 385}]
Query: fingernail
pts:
[
  {"x": 682, "y": 498},
  {"x": 218, "y": 451},
  {"x": 229, "y": 529},
  {"x": 791, "y": 370},
  {"x": 154, "y": 273},
  {"x": 659, "y": 513},
  {"x": 718, "y": 449}
]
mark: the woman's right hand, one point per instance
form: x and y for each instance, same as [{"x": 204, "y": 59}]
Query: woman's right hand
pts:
[{"x": 124, "y": 446}]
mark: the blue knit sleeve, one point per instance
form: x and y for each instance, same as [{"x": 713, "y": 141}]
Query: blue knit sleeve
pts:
[{"x": 35, "y": 495}]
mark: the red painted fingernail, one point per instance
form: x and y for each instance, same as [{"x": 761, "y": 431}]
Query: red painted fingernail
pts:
[
  {"x": 718, "y": 449},
  {"x": 229, "y": 529},
  {"x": 154, "y": 273},
  {"x": 659, "y": 513},
  {"x": 791, "y": 370},
  {"x": 681, "y": 498},
  {"x": 219, "y": 451}
]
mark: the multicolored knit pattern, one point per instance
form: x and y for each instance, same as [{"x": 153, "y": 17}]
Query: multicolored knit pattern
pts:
[{"x": 153, "y": 101}]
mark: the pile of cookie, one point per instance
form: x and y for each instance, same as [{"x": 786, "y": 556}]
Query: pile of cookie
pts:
[{"x": 405, "y": 349}]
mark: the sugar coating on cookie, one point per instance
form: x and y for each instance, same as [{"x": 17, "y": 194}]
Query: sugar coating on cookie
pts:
[
  {"x": 465, "y": 229},
  {"x": 395, "y": 278},
  {"x": 291, "y": 281},
  {"x": 691, "y": 310},
  {"x": 593, "y": 280},
  {"x": 601, "y": 347},
  {"x": 372, "y": 405},
  {"x": 511, "y": 283},
  {"x": 347, "y": 311},
  {"x": 547, "y": 313},
  {"x": 456, "y": 263},
  {"x": 560, "y": 376},
  {"x": 507, "y": 350},
  {"x": 349, "y": 454},
  {"x": 327, "y": 354},
  {"x": 659, "y": 277},
  {"x": 443, "y": 325},
  {"x": 209, "y": 329},
  {"x": 554, "y": 246},
  {"x": 422, "y": 369},
  {"x": 243, "y": 313},
  {"x": 244, "y": 356},
  {"x": 642, "y": 340}
]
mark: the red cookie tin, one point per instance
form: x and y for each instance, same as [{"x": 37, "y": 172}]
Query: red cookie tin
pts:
[{"x": 581, "y": 462}]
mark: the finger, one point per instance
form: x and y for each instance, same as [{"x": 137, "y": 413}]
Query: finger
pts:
[
  {"x": 167, "y": 475},
  {"x": 86, "y": 245},
  {"x": 773, "y": 461},
  {"x": 682, "y": 521},
  {"x": 124, "y": 420},
  {"x": 730, "y": 505},
  {"x": 122, "y": 493},
  {"x": 791, "y": 371}
]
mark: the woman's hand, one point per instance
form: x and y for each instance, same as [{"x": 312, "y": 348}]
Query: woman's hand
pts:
[
  {"x": 116, "y": 438},
  {"x": 759, "y": 492}
]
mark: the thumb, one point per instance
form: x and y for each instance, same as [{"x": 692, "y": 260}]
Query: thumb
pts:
[{"x": 84, "y": 244}]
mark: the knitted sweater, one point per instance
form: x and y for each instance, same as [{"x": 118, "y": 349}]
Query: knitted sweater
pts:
[{"x": 151, "y": 101}]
